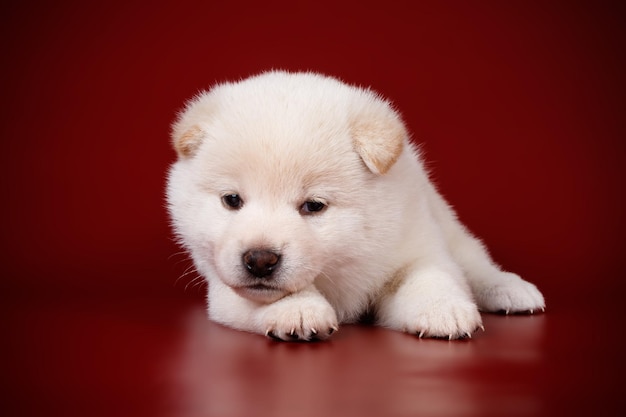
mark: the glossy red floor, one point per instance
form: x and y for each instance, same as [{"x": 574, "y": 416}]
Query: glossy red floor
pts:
[{"x": 146, "y": 354}]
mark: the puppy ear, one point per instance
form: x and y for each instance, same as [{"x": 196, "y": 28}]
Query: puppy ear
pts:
[
  {"x": 378, "y": 135},
  {"x": 186, "y": 143},
  {"x": 190, "y": 128}
]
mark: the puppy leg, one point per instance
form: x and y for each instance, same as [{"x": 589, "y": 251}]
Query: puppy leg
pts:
[
  {"x": 429, "y": 301},
  {"x": 493, "y": 289},
  {"x": 305, "y": 315},
  {"x": 505, "y": 292}
]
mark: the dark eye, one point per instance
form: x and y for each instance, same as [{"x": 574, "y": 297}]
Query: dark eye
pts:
[
  {"x": 312, "y": 207},
  {"x": 232, "y": 201}
]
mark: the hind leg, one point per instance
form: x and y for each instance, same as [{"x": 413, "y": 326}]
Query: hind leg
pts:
[
  {"x": 502, "y": 291},
  {"x": 494, "y": 290}
]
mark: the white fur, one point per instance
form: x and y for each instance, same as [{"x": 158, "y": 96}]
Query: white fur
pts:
[{"x": 387, "y": 244}]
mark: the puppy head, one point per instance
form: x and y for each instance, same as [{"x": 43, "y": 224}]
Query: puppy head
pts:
[
  {"x": 376, "y": 129},
  {"x": 275, "y": 181}
]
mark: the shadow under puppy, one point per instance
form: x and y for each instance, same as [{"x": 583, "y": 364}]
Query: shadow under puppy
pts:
[{"x": 304, "y": 205}]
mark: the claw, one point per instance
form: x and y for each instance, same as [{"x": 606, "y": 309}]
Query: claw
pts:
[
  {"x": 313, "y": 331},
  {"x": 267, "y": 332},
  {"x": 468, "y": 334},
  {"x": 506, "y": 312},
  {"x": 543, "y": 309},
  {"x": 450, "y": 337},
  {"x": 482, "y": 327},
  {"x": 531, "y": 311},
  {"x": 271, "y": 335},
  {"x": 421, "y": 334},
  {"x": 332, "y": 330}
]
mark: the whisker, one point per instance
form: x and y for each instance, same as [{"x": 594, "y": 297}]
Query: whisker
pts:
[
  {"x": 319, "y": 272},
  {"x": 179, "y": 253},
  {"x": 196, "y": 282},
  {"x": 190, "y": 270}
]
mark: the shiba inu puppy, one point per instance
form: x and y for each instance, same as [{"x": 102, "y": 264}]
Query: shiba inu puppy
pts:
[{"x": 304, "y": 204}]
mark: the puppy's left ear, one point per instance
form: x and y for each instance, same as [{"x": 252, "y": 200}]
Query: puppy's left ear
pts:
[{"x": 378, "y": 135}]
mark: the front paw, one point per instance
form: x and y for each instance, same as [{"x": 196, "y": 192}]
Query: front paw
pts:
[
  {"x": 431, "y": 315},
  {"x": 299, "y": 318},
  {"x": 448, "y": 319}
]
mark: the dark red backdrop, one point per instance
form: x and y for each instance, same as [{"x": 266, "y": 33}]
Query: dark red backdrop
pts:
[{"x": 520, "y": 107}]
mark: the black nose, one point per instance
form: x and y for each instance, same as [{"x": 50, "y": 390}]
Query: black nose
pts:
[{"x": 260, "y": 263}]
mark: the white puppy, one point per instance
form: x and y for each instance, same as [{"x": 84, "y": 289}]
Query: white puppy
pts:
[{"x": 304, "y": 204}]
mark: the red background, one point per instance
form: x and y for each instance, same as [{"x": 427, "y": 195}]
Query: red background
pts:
[{"x": 519, "y": 107}]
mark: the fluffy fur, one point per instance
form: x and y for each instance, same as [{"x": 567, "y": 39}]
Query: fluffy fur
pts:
[{"x": 304, "y": 205}]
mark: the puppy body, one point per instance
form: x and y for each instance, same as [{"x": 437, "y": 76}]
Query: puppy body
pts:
[{"x": 303, "y": 203}]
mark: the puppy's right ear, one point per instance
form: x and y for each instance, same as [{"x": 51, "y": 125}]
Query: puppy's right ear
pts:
[
  {"x": 188, "y": 131},
  {"x": 186, "y": 141}
]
